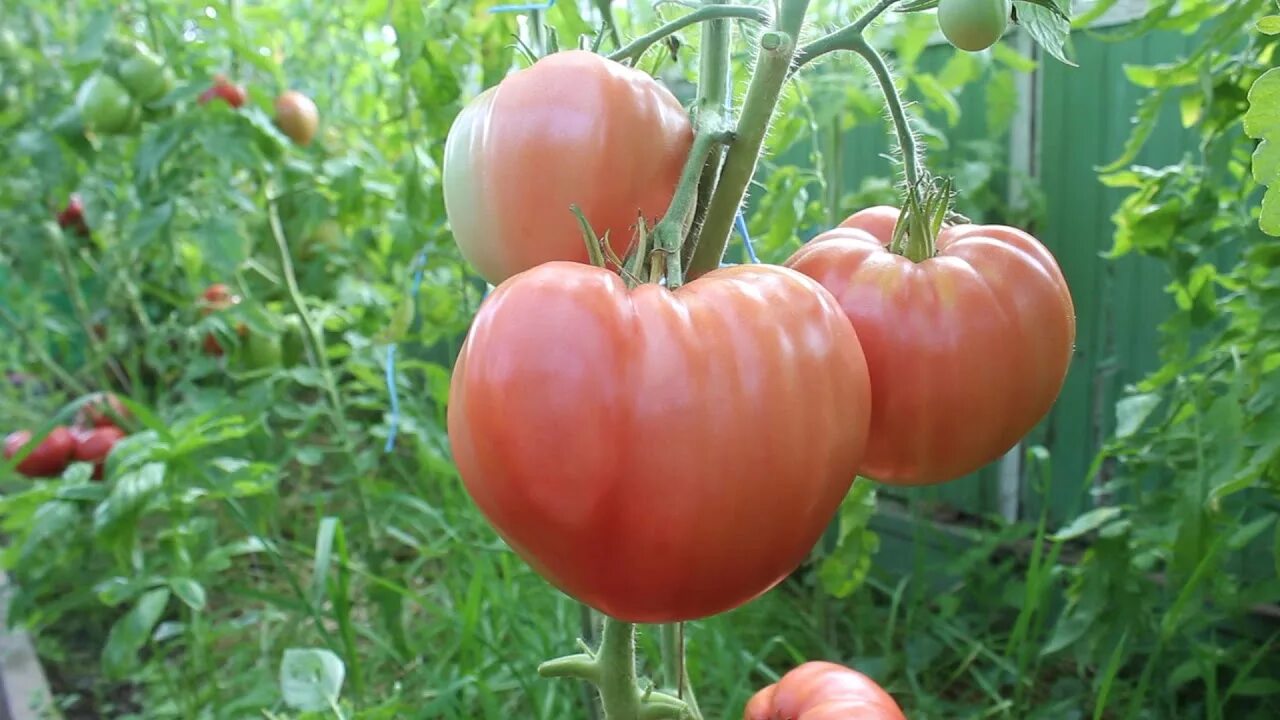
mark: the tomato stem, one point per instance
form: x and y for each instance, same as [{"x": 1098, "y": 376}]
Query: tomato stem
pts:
[
  {"x": 897, "y": 112},
  {"x": 668, "y": 236},
  {"x": 841, "y": 39},
  {"x": 773, "y": 63},
  {"x": 613, "y": 671},
  {"x": 634, "y": 49}
]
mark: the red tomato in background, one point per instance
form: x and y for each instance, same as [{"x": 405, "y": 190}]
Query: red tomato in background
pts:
[
  {"x": 224, "y": 89},
  {"x": 218, "y": 297},
  {"x": 49, "y": 458},
  {"x": 573, "y": 129},
  {"x": 94, "y": 444},
  {"x": 823, "y": 691},
  {"x": 659, "y": 455},
  {"x": 101, "y": 410},
  {"x": 72, "y": 216},
  {"x": 297, "y": 117},
  {"x": 967, "y": 350}
]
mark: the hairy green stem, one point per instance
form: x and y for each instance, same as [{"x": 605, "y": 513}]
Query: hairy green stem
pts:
[
  {"x": 897, "y": 112},
  {"x": 843, "y": 38},
  {"x": 668, "y": 236},
  {"x": 634, "y": 49},
  {"x": 773, "y": 62}
]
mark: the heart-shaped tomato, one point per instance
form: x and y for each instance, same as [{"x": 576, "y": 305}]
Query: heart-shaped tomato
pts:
[
  {"x": 659, "y": 455},
  {"x": 967, "y": 349}
]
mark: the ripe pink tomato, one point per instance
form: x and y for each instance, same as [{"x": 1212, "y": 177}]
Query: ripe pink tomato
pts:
[
  {"x": 659, "y": 455},
  {"x": 967, "y": 350},
  {"x": 823, "y": 691},
  {"x": 575, "y": 128}
]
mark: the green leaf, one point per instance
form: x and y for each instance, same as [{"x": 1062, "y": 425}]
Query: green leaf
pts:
[
  {"x": 1262, "y": 122},
  {"x": 311, "y": 679},
  {"x": 844, "y": 570},
  {"x": 1049, "y": 28},
  {"x": 130, "y": 633},
  {"x": 132, "y": 491},
  {"x": 937, "y": 96},
  {"x": 1132, "y": 411},
  {"x": 1086, "y": 523},
  {"x": 1269, "y": 25},
  {"x": 53, "y": 519},
  {"x": 188, "y": 591}
]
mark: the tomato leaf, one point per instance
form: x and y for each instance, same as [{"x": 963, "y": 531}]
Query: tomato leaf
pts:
[
  {"x": 1269, "y": 25},
  {"x": 845, "y": 569},
  {"x": 1262, "y": 122},
  {"x": 1132, "y": 411},
  {"x": 1050, "y": 28},
  {"x": 311, "y": 679},
  {"x": 1086, "y": 523}
]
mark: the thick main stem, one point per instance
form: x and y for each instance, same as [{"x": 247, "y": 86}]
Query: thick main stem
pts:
[
  {"x": 617, "y": 664},
  {"x": 772, "y": 66}
]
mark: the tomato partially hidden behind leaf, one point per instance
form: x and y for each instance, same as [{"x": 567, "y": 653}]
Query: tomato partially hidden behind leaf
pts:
[
  {"x": 659, "y": 455},
  {"x": 101, "y": 410},
  {"x": 48, "y": 459},
  {"x": 105, "y": 105},
  {"x": 573, "y": 129},
  {"x": 823, "y": 691},
  {"x": 967, "y": 350}
]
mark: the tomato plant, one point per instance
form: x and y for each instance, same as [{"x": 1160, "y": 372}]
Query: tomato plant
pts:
[
  {"x": 944, "y": 404},
  {"x": 973, "y": 25},
  {"x": 216, "y": 298},
  {"x": 823, "y": 691},
  {"x": 663, "y": 514},
  {"x": 297, "y": 116},
  {"x": 573, "y": 129},
  {"x": 48, "y": 459}
]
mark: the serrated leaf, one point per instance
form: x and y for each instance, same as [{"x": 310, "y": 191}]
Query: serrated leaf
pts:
[
  {"x": 1262, "y": 122},
  {"x": 130, "y": 633},
  {"x": 311, "y": 679},
  {"x": 844, "y": 570},
  {"x": 1052, "y": 6},
  {"x": 1086, "y": 523},
  {"x": 1049, "y": 28}
]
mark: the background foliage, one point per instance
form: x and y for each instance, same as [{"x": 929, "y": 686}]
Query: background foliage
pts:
[{"x": 257, "y": 548}]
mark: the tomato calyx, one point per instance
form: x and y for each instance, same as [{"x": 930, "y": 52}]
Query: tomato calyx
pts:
[{"x": 926, "y": 209}]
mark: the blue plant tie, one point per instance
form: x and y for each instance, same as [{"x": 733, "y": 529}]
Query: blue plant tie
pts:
[
  {"x": 521, "y": 7},
  {"x": 389, "y": 367},
  {"x": 741, "y": 223}
]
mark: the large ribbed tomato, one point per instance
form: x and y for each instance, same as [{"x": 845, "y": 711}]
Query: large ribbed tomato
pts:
[
  {"x": 573, "y": 129},
  {"x": 967, "y": 350},
  {"x": 659, "y": 455},
  {"x": 823, "y": 691}
]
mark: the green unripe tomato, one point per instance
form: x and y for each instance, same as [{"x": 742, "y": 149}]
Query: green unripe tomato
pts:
[
  {"x": 105, "y": 106},
  {"x": 145, "y": 75},
  {"x": 261, "y": 351},
  {"x": 973, "y": 25}
]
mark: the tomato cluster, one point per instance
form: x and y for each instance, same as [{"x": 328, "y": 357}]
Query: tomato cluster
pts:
[
  {"x": 90, "y": 439},
  {"x": 666, "y": 454}
]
